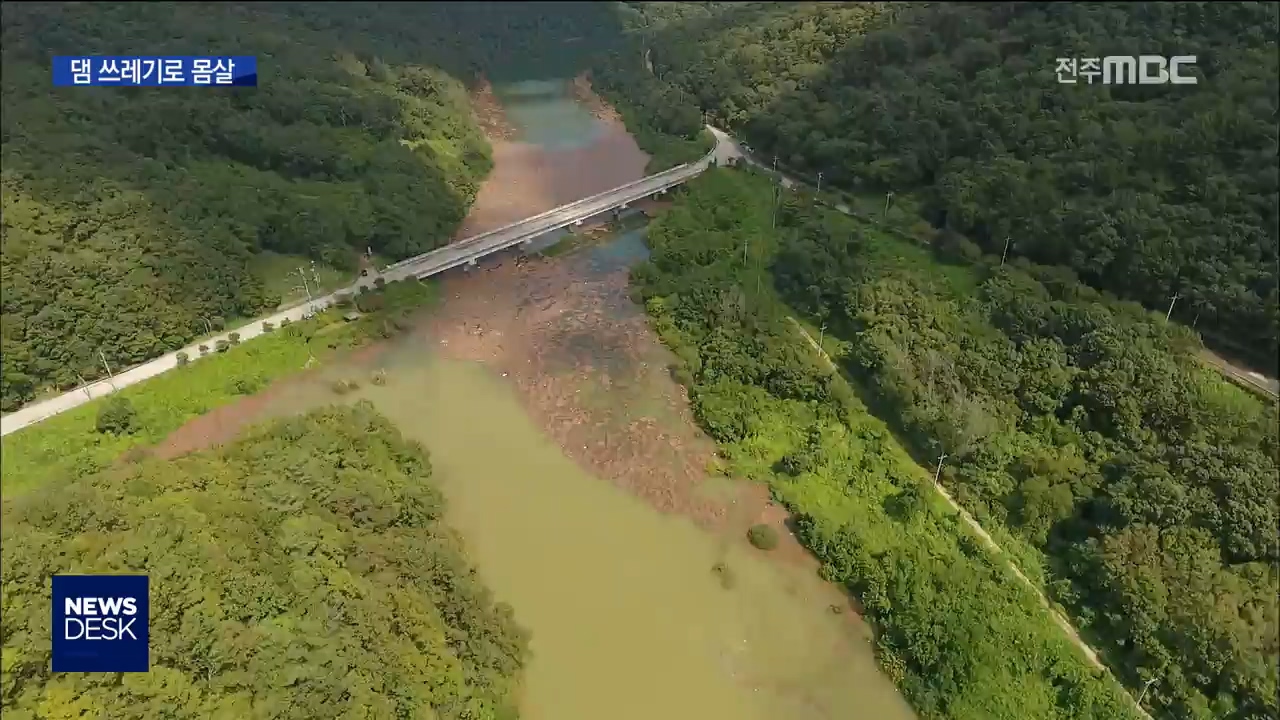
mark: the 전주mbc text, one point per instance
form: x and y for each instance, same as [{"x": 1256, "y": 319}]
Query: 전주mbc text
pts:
[{"x": 155, "y": 71}]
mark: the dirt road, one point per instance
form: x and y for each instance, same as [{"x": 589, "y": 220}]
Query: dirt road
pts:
[{"x": 994, "y": 548}]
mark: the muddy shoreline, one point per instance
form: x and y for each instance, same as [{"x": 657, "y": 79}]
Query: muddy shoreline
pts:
[
  {"x": 587, "y": 368},
  {"x": 528, "y": 179}
]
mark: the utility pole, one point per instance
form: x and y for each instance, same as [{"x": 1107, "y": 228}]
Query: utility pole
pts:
[
  {"x": 1006, "y": 250},
  {"x": 887, "y": 198},
  {"x": 104, "y": 363},
  {"x": 773, "y": 222},
  {"x": 1173, "y": 300},
  {"x": 303, "y": 274},
  {"x": 207, "y": 327},
  {"x": 822, "y": 331},
  {"x": 1145, "y": 687},
  {"x": 819, "y": 192},
  {"x": 938, "y": 473},
  {"x": 315, "y": 275},
  {"x": 84, "y": 385}
]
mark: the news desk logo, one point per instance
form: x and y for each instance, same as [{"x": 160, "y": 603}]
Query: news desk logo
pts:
[
  {"x": 1128, "y": 70},
  {"x": 150, "y": 71},
  {"x": 100, "y": 623}
]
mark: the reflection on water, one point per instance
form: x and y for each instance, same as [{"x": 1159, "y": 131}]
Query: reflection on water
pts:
[
  {"x": 545, "y": 114},
  {"x": 621, "y": 251}
]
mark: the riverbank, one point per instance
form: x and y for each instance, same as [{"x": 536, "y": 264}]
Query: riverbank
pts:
[
  {"x": 70, "y": 443},
  {"x": 575, "y": 470},
  {"x": 956, "y": 631},
  {"x": 552, "y": 144}
]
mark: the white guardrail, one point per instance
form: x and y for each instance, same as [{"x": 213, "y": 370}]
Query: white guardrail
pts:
[
  {"x": 467, "y": 249},
  {"x": 700, "y": 164}
]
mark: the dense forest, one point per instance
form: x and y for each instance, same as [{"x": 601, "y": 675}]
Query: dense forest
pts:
[
  {"x": 132, "y": 217},
  {"x": 1148, "y": 192},
  {"x": 961, "y": 638},
  {"x": 1087, "y": 428},
  {"x": 301, "y": 572},
  {"x": 1081, "y": 424}
]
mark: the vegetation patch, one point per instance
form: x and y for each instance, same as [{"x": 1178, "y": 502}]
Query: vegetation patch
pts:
[
  {"x": 762, "y": 537},
  {"x": 960, "y": 635},
  {"x": 958, "y": 105},
  {"x": 71, "y": 444},
  {"x": 660, "y": 116},
  {"x": 311, "y": 544}
]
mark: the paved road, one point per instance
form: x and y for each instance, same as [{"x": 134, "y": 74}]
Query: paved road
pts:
[
  {"x": 438, "y": 260},
  {"x": 1231, "y": 371},
  {"x": 1241, "y": 374}
]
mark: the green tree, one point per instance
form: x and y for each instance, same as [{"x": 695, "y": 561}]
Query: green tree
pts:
[
  {"x": 303, "y": 580},
  {"x": 117, "y": 416}
]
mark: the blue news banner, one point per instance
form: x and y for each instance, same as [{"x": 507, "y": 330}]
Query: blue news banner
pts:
[
  {"x": 155, "y": 71},
  {"x": 101, "y": 623}
]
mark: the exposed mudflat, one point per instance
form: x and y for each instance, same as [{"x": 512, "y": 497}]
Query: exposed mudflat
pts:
[
  {"x": 589, "y": 154},
  {"x": 575, "y": 472}
]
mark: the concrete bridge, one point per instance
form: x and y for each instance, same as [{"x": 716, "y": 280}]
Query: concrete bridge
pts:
[
  {"x": 468, "y": 251},
  {"x": 463, "y": 252}
]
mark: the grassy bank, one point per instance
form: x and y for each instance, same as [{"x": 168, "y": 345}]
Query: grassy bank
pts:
[
  {"x": 657, "y": 114},
  {"x": 958, "y": 633},
  {"x": 665, "y": 151},
  {"x": 70, "y": 444}
]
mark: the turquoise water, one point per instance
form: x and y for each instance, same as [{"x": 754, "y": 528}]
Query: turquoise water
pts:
[
  {"x": 545, "y": 114},
  {"x": 622, "y": 251}
]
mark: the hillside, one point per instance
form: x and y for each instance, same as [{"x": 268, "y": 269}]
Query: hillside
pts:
[
  {"x": 132, "y": 217},
  {"x": 302, "y": 572},
  {"x": 1137, "y": 487},
  {"x": 961, "y": 638},
  {"x": 1145, "y": 192}
]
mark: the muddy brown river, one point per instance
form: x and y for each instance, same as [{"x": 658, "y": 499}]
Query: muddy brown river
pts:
[{"x": 511, "y": 383}]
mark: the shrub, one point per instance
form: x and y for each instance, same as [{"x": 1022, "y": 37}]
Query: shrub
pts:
[
  {"x": 204, "y": 349},
  {"x": 680, "y": 374},
  {"x": 117, "y": 416},
  {"x": 268, "y": 327},
  {"x": 285, "y": 322},
  {"x": 234, "y": 338},
  {"x": 344, "y": 386},
  {"x": 217, "y": 323},
  {"x": 371, "y": 302},
  {"x": 923, "y": 231},
  {"x": 246, "y": 386},
  {"x": 380, "y": 378},
  {"x": 763, "y": 536},
  {"x": 379, "y": 282},
  {"x": 222, "y": 345},
  {"x": 183, "y": 359}
]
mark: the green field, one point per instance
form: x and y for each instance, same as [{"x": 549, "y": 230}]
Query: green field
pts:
[{"x": 69, "y": 443}]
